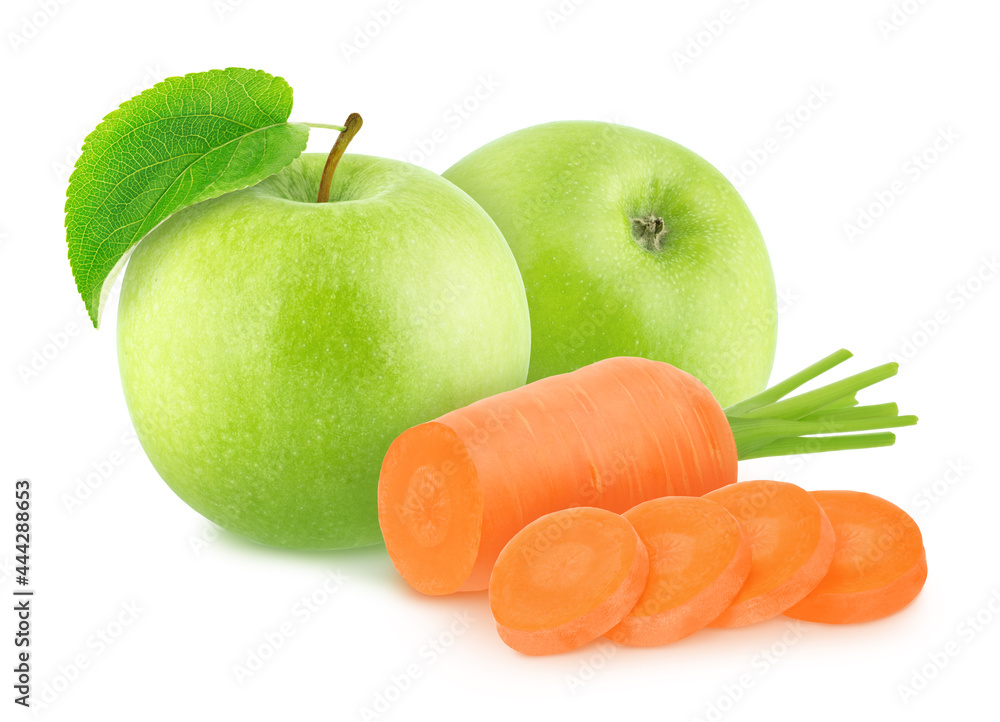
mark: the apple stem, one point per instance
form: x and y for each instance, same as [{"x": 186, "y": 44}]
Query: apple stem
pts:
[{"x": 351, "y": 127}]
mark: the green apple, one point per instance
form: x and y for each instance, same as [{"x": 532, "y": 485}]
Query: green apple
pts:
[
  {"x": 272, "y": 347},
  {"x": 629, "y": 244}
]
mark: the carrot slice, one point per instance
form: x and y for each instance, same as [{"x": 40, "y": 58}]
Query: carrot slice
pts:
[
  {"x": 791, "y": 544},
  {"x": 699, "y": 559},
  {"x": 566, "y": 579},
  {"x": 879, "y": 564}
]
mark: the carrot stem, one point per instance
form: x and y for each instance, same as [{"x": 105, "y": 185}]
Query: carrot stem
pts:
[
  {"x": 852, "y": 412},
  {"x": 824, "y": 419},
  {"x": 776, "y": 428},
  {"x": 757, "y": 433},
  {"x": 815, "y": 444},
  {"x": 796, "y": 407},
  {"x": 844, "y": 403},
  {"x": 781, "y": 390}
]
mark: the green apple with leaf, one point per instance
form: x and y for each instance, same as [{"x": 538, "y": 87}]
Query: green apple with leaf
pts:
[
  {"x": 284, "y": 318},
  {"x": 629, "y": 244}
]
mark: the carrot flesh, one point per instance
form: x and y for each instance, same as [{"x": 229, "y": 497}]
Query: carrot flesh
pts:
[
  {"x": 879, "y": 565},
  {"x": 579, "y": 439},
  {"x": 699, "y": 559},
  {"x": 792, "y": 545},
  {"x": 566, "y": 579},
  {"x": 439, "y": 505}
]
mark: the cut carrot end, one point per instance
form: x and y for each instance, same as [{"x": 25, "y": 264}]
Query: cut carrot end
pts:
[
  {"x": 879, "y": 565},
  {"x": 566, "y": 579},
  {"x": 792, "y": 545},
  {"x": 699, "y": 559},
  {"x": 430, "y": 508}
]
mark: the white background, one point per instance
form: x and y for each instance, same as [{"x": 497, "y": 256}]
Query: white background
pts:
[{"x": 883, "y": 84}]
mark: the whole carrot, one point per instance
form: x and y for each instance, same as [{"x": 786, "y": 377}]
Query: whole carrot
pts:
[{"x": 452, "y": 492}]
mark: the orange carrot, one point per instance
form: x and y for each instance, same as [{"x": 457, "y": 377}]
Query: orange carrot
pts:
[
  {"x": 566, "y": 579},
  {"x": 879, "y": 564},
  {"x": 791, "y": 544},
  {"x": 454, "y": 491},
  {"x": 698, "y": 560}
]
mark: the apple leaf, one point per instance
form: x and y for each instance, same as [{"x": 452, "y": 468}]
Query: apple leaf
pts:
[{"x": 183, "y": 141}]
